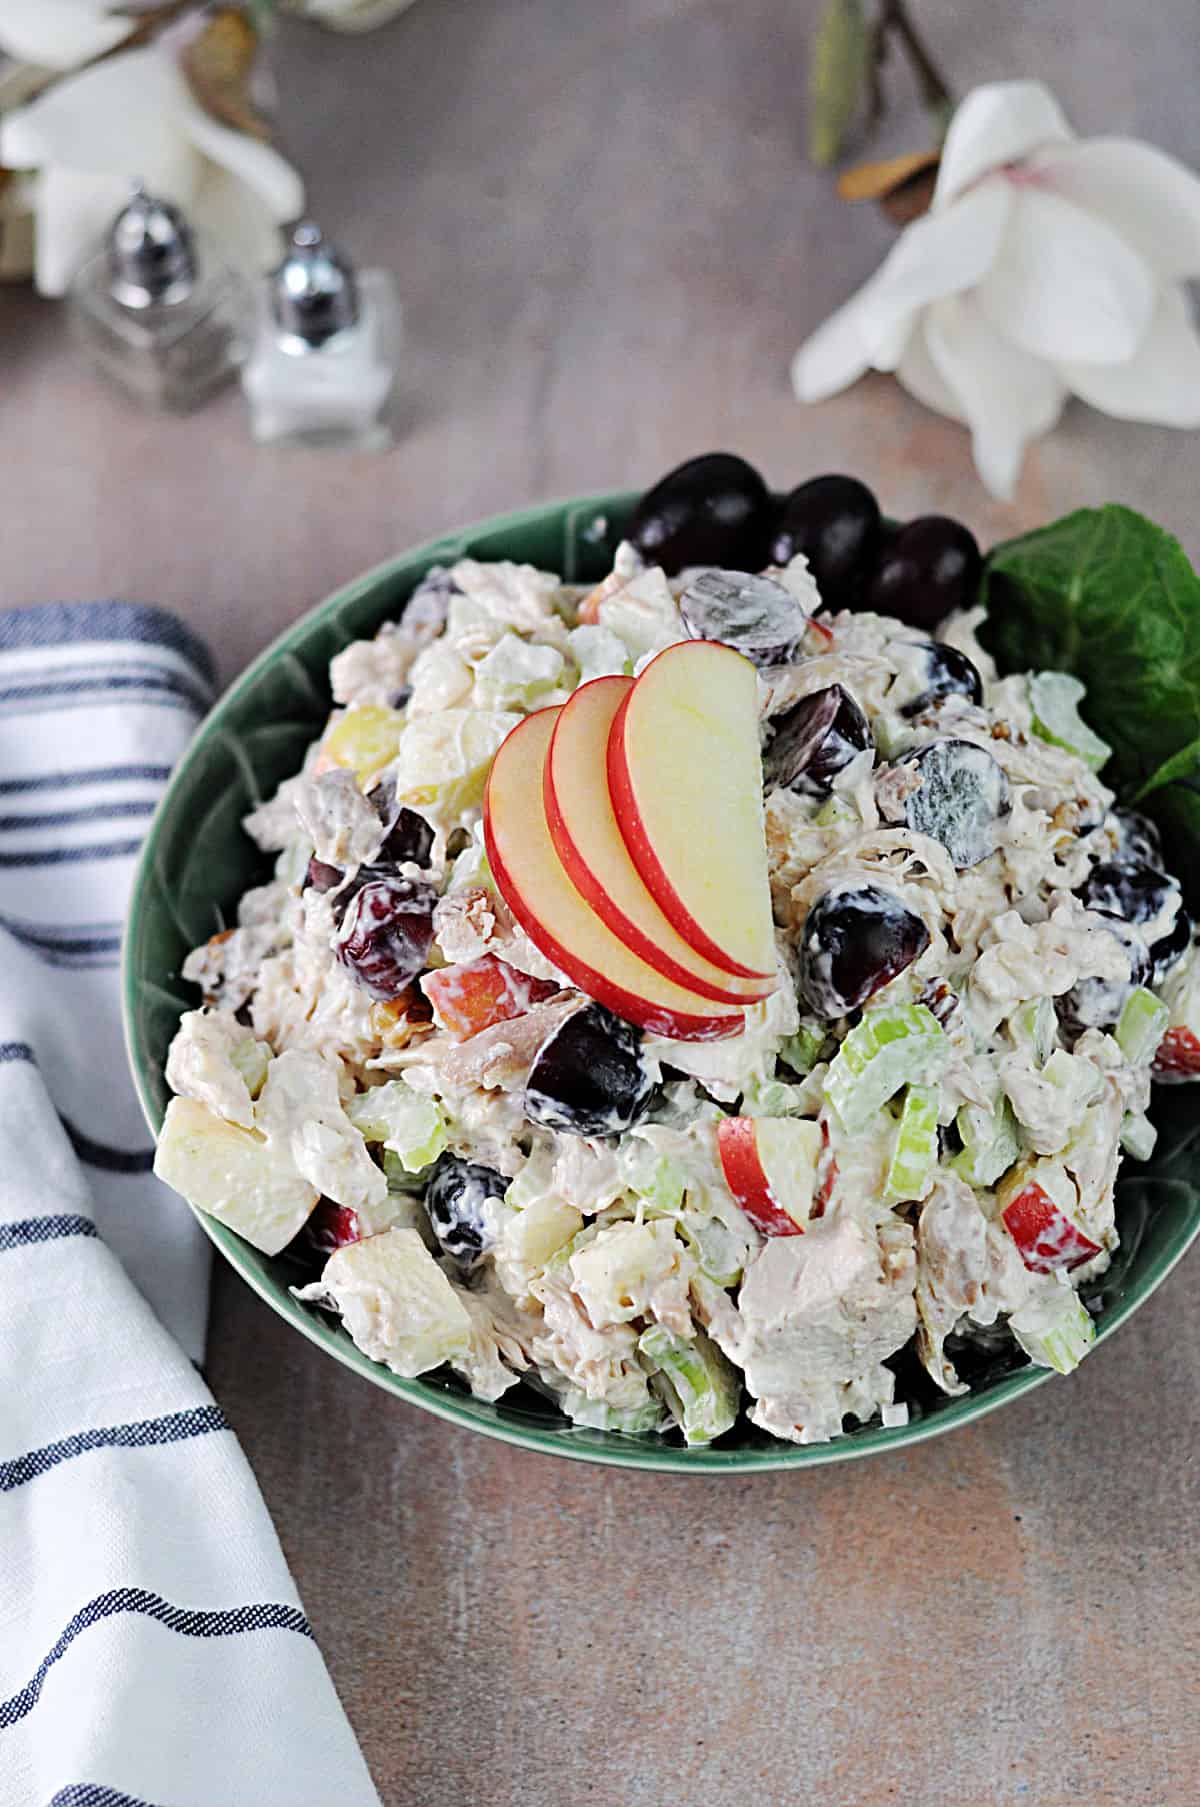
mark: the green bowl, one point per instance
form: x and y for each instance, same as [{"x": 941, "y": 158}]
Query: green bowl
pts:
[{"x": 197, "y": 862}]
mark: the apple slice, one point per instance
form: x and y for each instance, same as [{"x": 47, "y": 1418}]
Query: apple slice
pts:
[
  {"x": 770, "y": 1165},
  {"x": 1037, "y": 1206},
  {"x": 685, "y": 773},
  {"x": 475, "y": 995},
  {"x": 558, "y": 920},
  {"x": 583, "y": 826}
]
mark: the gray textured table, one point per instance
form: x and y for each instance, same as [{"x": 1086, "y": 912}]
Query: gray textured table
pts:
[{"x": 609, "y": 244}]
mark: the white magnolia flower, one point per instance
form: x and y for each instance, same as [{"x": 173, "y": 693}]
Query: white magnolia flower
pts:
[
  {"x": 350, "y": 15},
  {"x": 60, "y": 34},
  {"x": 133, "y": 117},
  {"x": 1046, "y": 264}
]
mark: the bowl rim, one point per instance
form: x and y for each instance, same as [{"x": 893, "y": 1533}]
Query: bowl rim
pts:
[{"x": 572, "y": 1442}]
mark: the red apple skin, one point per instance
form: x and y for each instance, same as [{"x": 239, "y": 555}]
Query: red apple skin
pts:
[
  {"x": 653, "y": 1018},
  {"x": 737, "y": 1145},
  {"x": 1045, "y": 1238},
  {"x": 654, "y": 876},
  {"x": 475, "y": 995},
  {"x": 1178, "y": 1055},
  {"x": 591, "y": 888}
]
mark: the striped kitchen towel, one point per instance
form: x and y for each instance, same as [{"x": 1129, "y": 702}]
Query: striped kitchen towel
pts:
[{"x": 153, "y": 1650}]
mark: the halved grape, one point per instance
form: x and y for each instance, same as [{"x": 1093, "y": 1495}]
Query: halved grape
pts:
[
  {"x": 407, "y": 835},
  {"x": 948, "y": 672},
  {"x": 755, "y": 615},
  {"x": 854, "y": 942},
  {"x": 1129, "y": 889},
  {"x": 455, "y": 1201},
  {"x": 589, "y": 1076},
  {"x": 712, "y": 510},
  {"x": 816, "y": 739},
  {"x": 834, "y": 522},
  {"x": 961, "y": 799},
  {"x": 385, "y": 933}
]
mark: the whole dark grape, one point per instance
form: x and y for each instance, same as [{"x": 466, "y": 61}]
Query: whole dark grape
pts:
[
  {"x": 755, "y": 615},
  {"x": 816, "y": 739},
  {"x": 713, "y": 510},
  {"x": 455, "y": 1201},
  {"x": 1097, "y": 1003},
  {"x": 962, "y": 797},
  {"x": 948, "y": 672},
  {"x": 589, "y": 1075},
  {"x": 385, "y": 934},
  {"x": 1138, "y": 837},
  {"x": 854, "y": 942},
  {"x": 834, "y": 521},
  {"x": 932, "y": 566}
]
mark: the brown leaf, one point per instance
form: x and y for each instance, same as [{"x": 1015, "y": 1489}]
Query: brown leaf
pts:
[{"x": 219, "y": 63}]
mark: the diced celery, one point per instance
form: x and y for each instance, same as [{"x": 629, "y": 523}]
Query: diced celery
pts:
[
  {"x": 915, "y": 1150},
  {"x": 765, "y": 1097},
  {"x": 628, "y": 1421},
  {"x": 534, "y": 1180},
  {"x": 653, "y": 1176},
  {"x": 990, "y": 1143},
  {"x": 407, "y": 1123},
  {"x": 1054, "y": 698},
  {"x": 836, "y": 810},
  {"x": 894, "y": 1045},
  {"x": 1035, "y": 1026},
  {"x": 1054, "y": 1329},
  {"x": 701, "y": 1387},
  {"x": 1141, "y": 1025},
  {"x": 802, "y": 1051},
  {"x": 251, "y": 1059},
  {"x": 515, "y": 673},
  {"x": 1138, "y": 1135},
  {"x": 1080, "y": 1082},
  {"x": 720, "y": 1252},
  {"x": 365, "y": 739}
]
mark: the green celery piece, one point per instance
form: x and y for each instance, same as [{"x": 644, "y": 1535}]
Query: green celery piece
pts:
[
  {"x": 629, "y": 1421},
  {"x": 1056, "y": 1331},
  {"x": 802, "y": 1050},
  {"x": 770, "y": 1098},
  {"x": 720, "y": 1254},
  {"x": 1054, "y": 697},
  {"x": 835, "y": 809},
  {"x": 1141, "y": 1025},
  {"x": 410, "y": 1125},
  {"x": 990, "y": 1143},
  {"x": 1138, "y": 1135},
  {"x": 894, "y": 1045},
  {"x": 701, "y": 1386},
  {"x": 1035, "y": 1025},
  {"x": 915, "y": 1150},
  {"x": 652, "y": 1175},
  {"x": 251, "y": 1059}
]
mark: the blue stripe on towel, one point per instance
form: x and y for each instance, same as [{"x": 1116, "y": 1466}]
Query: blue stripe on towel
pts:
[
  {"x": 227, "y": 1622},
  {"x": 16, "y": 1051},
  {"x": 163, "y": 683},
  {"x": 28, "y": 1230},
  {"x": 94, "y": 1794},
  {"x": 175, "y": 1427},
  {"x": 102, "y": 1155},
  {"x": 64, "y": 818},
  {"x": 62, "y": 856},
  {"x": 53, "y": 623},
  {"x": 98, "y": 774}
]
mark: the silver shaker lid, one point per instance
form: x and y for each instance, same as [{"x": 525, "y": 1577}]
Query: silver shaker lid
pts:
[
  {"x": 314, "y": 291},
  {"x": 151, "y": 253}
]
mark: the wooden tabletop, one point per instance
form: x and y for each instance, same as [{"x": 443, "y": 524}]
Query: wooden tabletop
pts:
[{"x": 609, "y": 243}]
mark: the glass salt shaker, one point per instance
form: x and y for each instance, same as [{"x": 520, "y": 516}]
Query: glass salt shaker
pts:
[
  {"x": 157, "y": 311},
  {"x": 323, "y": 359}
]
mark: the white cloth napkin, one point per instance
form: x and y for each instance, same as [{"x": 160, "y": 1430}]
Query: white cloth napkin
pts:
[{"x": 153, "y": 1650}]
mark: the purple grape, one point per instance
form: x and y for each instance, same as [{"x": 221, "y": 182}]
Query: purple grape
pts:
[
  {"x": 960, "y": 800},
  {"x": 834, "y": 521},
  {"x": 755, "y": 615},
  {"x": 713, "y": 510},
  {"x": 1097, "y": 1003},
  {"x": 429, "y": 603},
  {"x": 1170, "y": 948},
  {"x": 948, "y": 673},
  {"x": 853, "y": 943},
  {"x": 455, "y": 1201},
  {"x": 385, "y": 933},
  {"x": 1129, "y": 889},
  {"x": 816, "y": 739},
  {"x": 1137, "y": 837},
  {"x": 321, "y": 876},
  {"x": 932, "y": 566},
  {"x": 407, "y": 836},
  {"x": 589, "y": 1075}
]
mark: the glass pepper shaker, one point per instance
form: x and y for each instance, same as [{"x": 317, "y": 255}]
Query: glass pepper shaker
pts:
[
  {"x": 157, "y": 311},
  {"x": 323, "y": 360}
]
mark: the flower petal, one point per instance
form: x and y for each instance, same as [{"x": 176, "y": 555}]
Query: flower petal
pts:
[
  {"x": 59, "y": 34},
  {"x": 119, "y": 118},
  {"x": 1065, "y": 285},
  {"x": 262, "y": 169},
  {"x": 939, "y": 254},
  {"x": 71, "y": 207},
  {"x": 918, "y": 373},
  {"x": 1160, "y": 382},
  {"x": 1151, "y": 199},
  {"x": 1007, "y": 396},
  {"x": 994, "y": 125},
  {"x": 834, "y": 356}
]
